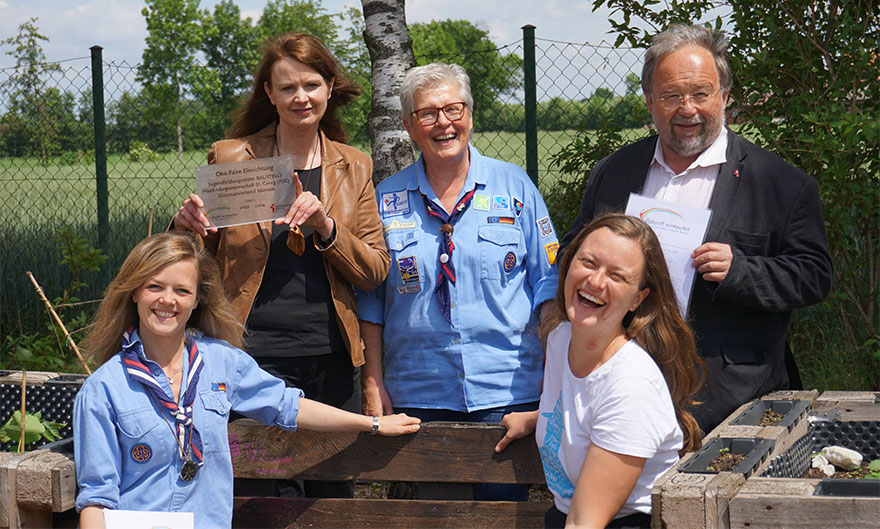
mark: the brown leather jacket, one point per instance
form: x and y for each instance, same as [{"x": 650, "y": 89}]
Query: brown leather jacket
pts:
[{"x": 357, "y": 256}]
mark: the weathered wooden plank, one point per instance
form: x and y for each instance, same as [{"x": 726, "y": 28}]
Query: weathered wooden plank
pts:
[
  {"x": 851, "y": 410},
  {"x": 865, "y": 396},
  {"x": 46, "y": 481},
  {"x": 804, "y": 512},
  {"x": 295, "y": 513},
  {"x": 439, "y": 452}
]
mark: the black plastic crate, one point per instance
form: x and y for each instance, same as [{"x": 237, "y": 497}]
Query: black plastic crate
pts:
[
  {"x": 53, "y": 399},
  {"x": 792, "y": 412},
  {"x": 861, "y": 436},
  {"x": 755, "y": 451}
]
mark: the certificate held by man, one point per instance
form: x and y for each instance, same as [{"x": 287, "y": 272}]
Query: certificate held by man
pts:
[
  {"x": 679, "y": 229},
  {"x": 246, "y": 192}
]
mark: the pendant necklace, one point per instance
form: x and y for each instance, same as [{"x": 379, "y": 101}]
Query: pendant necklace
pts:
[
  {"x": 190, "y": 468},
  {"x": 296, "y": 241}
]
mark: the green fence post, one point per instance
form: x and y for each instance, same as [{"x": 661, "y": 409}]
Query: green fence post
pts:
[
  {"x": 531, "y": 91},
  {"x": 100, "y": 151}
]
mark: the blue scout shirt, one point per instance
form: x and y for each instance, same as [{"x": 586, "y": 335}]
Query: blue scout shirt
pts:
[
  {"x": 126, "y": 454},
  {"x": 505, "y": 250}
]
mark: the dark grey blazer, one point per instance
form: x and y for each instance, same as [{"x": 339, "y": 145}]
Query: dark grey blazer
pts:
[{"x": 770, "y": 214}]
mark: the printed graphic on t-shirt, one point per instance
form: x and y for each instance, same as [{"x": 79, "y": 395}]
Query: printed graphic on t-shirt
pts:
[{"x": 557, "y": 480}]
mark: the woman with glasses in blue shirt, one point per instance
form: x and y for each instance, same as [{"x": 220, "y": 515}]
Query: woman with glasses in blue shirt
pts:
[{"x": 150, "y": 425}]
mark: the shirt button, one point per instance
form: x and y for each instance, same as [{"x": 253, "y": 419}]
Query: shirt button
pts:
[
  {"x": 452, "y": 305},
  {"x": 461, "y": 375},
  {"x": 456, "y": 341}
]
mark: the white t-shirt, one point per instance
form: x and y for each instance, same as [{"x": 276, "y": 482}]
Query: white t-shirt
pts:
[{"x": 624, "y": 406}]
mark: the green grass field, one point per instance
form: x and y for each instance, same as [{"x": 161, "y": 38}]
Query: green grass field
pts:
[{"x": 38, "y": 201}]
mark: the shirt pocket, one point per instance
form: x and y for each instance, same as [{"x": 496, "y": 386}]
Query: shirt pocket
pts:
[
  {"x": 145, "y": 442},
  {"x": 501, "y": 251},
  {"x": 213, "y": 423},
  {"x": 403, "y": 248}
]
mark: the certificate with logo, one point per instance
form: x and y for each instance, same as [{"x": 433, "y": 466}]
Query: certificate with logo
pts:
[
  {"x": 680, "y": 229},
  {"x": 246, "y": 192}
]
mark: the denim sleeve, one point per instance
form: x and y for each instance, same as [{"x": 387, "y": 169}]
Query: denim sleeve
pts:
[
  {"x": 96, "y": 449},
  {"x": 543, "y": 244},
  {"x": 261, "y": 396}
]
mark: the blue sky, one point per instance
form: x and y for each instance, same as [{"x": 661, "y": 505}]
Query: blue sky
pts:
[{"x": 73, "y": 26}]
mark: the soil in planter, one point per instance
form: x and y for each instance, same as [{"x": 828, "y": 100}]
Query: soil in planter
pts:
[
  {"x": 815, "y": 473},
  {"x": 770, "y": 418},
  {"x": 726, "y": 462}
]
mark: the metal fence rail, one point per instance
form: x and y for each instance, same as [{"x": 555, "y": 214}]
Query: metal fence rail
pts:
[{"x": 51, "y": 176}]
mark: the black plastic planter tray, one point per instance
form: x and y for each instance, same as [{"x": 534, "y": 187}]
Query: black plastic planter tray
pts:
[
  {"x": 869, "y": 488},
  {"x": 791, "y": 410},
  {"x": 755, "y": 451}
]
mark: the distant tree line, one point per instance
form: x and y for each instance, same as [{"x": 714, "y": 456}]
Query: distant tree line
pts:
[{"x": 197, "y": 64}]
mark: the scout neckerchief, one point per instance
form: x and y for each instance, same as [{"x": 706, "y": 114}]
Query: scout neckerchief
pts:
[
  {"x": 187, "y": 436},
  {"x": 447, "y": 269}
]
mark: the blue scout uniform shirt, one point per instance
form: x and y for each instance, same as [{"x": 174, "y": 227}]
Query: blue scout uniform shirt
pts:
[
  {"x": 505, "y": 250},
  {"x": 126, "y": 454}
]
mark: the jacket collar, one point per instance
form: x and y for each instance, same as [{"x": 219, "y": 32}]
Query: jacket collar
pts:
[{"x": 730, "y": 176}]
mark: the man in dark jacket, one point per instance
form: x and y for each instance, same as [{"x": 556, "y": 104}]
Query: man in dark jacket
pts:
[{"x": 766, "y": 252}]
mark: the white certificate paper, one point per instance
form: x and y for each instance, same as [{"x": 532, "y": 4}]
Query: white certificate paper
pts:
[
  {"x": 116, "y": 519},
  {"x": 680, "y": 229},
  {"x": 246, "y": 192}
]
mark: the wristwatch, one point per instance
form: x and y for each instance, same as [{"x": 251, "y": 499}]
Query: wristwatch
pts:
[{"x": 375, "y": 429}]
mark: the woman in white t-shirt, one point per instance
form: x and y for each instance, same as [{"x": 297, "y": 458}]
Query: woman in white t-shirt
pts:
[{"x": 620, "y": 367}]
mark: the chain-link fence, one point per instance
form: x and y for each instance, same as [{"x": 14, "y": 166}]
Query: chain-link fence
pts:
[{"x": 155, "y": 137}]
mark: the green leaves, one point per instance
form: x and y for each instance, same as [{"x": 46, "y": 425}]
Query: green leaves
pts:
[
  {"x": 806, "y": 83},
  {"x": 35, "y": 428}
]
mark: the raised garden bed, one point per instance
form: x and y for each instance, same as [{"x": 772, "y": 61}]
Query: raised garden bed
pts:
[{"x": 50, "y": 393}]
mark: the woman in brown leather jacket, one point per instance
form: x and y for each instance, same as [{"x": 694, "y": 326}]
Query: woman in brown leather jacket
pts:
[{"x": 291, "y": 282}]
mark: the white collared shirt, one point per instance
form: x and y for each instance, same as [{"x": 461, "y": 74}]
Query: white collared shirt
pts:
[{"x": 694, "y": 186}]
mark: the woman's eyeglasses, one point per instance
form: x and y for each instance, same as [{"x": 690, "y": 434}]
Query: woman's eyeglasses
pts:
[{"x": 429, "y": 116}]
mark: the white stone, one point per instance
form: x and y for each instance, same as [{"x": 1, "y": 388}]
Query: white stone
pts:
[
  {"x": 828, "y": 470},
  {"x": 843, "y": 457},
  {"x": 819, "y": 461}
]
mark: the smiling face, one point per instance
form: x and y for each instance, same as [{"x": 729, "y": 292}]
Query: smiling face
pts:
[
  {"x": 687, "y": 131},
  {"x": 298, "y": 92},
  {"x": 166, "y": 301},
  {"x": 445, "y": 141},
  {"x": 603, "y": 282}
]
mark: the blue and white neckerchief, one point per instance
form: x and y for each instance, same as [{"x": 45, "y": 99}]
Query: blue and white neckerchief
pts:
[{"x": 182, "y": 412}]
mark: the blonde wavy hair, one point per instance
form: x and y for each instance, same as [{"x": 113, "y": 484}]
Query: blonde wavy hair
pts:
[{"x": 213, "y": 316}]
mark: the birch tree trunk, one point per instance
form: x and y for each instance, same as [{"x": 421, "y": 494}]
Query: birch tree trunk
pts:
[{"x": 391, "y": 56}]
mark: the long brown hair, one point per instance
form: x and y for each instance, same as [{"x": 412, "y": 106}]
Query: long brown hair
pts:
[
  {"x": 213, "y": 315},
  {"x": 656, "y": 325},
  {"x": 257, "y": 111}
]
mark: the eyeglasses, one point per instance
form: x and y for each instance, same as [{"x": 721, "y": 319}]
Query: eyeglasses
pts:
[
  {"x": 674, "y": 101},
  {"x": 429, "y": 116}
]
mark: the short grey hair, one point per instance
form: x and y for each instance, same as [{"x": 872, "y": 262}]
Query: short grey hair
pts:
[
  {"x": 679, "y": 35},
  {"x": 430, "y": 76}
]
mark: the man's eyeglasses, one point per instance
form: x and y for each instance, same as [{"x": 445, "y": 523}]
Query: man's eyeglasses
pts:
[
  {"x": 429, "y": 116},
  {"x": 674, "y": 101}
]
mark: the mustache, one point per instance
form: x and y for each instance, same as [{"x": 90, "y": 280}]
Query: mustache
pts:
[{"x": 696, "y": 120}]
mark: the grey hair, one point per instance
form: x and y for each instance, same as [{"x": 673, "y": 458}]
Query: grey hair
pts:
[
  {"x": 430, "y": 76},
  {"x": 679, "y": 35}
]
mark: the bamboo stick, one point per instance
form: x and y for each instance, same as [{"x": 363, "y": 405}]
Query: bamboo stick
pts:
[
  {"x": 60, "y": 323},
  {"x": 150, "y": 224},
  {"x": 22, "y": 421}
]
